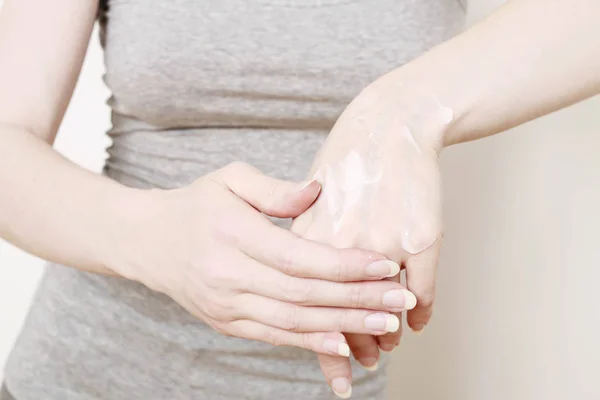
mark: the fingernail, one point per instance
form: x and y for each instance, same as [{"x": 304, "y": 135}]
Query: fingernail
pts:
[
  {"x": 387, "y": 349},
  {"x": 399, "y": 298},
  {"x": 383, "y": 269},
  {"x": 337, "y": 347},
  {"x": 369, "y": 363},
  {"x": 418, "y": 329},
  {"x": 307, "y": 184},
  {"x": 341, "y": 387},
  {"x": 382, "y": 322}
]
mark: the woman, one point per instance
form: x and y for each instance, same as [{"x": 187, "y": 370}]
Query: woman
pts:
[{"x": 198, "y": 87}]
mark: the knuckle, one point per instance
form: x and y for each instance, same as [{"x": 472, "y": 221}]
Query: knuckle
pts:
[
  {"x": 356, "y": 296},
  {"x": 297, "y": 292},
  {"x": 284, "y": 260},
  {"x": 421, "y": 240},
  {"x": 426, "y": 300},
  {"x": 220, "y": 310},
  {"x": 341, "y": 319},
  {"x": 387, "y": 245},
  {"x": 227, "y": 230},
  {"x": 288, "y": 317},
  {"x": 219, "y": 327},
  {"x": 341, "y": 268},
  {"x": 218, "y": 278},
  {"x": 219, "y": 274},
  {"x": 422, "y": 236},
  {"x": 305, "y": 341},
  {"x": 273, "y": 336}
]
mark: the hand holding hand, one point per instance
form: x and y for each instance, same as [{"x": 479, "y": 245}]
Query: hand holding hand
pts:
[{"x": 209, "y": 247}]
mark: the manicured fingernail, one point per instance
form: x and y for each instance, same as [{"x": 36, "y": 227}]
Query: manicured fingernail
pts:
[
  {"x": 369, "y": 363},
  {"x": 337, "y": 347},
  {"x": 341, "y": 387},
  {"x": 418, "y": 329},
  {"x": 383, "y": 269},
  {"x": 399, "y": 298},
  {"x": 382, "y": 322},
  {"x": 307, "y": 184}
]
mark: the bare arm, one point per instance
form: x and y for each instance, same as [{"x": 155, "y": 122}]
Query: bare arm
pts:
[
  {"x": 529, "y": 58},
  {"x": 197, "y": 244},
  {"x": 49, "y": 206}
]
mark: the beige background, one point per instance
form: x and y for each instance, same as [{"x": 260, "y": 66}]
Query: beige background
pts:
[{"x": 517, "y": 310}]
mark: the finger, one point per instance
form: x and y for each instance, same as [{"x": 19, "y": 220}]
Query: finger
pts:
[
  {"x": 338, "y": 372},
  {"x": 330, "y": 343},
  {"x": 295, "y": 318},
  {"x": 420, "y": 279},
  {"x": 390, "y": 341},
  {"x": 295, "y": 256},
  {"x": 373, "y": 295},
  {"x": 365, "y": 350},
  {"x": 271, "y": 196}
]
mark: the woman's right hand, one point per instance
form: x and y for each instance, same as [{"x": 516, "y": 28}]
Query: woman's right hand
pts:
[{"x": 210, "y": 248}]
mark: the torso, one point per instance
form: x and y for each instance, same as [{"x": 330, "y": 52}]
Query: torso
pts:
[{"x": 196, "y": 85}]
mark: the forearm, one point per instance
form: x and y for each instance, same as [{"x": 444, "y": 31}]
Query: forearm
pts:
[
  {"x": 529, "y": 58},
  {"x": 56, "y": 210}
]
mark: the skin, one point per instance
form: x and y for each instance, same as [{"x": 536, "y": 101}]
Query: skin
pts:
[
  {"x": 504, "y": 71},
  {"x": 197, "y": 244},
  {"x": 398, "y": 215},
  {"x": 529, "y": 58}
]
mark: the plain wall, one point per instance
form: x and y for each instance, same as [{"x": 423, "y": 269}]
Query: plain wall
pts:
[
  {"x": 516, "y": 315},
  {"x": 517, "y": 307}
]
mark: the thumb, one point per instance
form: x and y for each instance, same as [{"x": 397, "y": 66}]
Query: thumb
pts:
[{"x": 271, "y": 196}]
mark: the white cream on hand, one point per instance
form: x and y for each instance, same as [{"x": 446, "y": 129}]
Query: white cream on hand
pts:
[{"x": 392, "y": 164}]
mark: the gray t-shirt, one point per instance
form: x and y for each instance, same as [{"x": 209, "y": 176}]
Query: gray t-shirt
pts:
[{"x": 197, "y": 84}]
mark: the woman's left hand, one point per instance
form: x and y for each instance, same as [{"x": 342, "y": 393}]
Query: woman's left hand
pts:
[{"x": 381, "y": 191}]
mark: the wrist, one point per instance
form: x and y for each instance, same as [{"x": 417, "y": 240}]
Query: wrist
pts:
[
  {"x": 125, "y": 215},
  {"x": 408, "y": 105},
  {"x": 443, "y": 72}
]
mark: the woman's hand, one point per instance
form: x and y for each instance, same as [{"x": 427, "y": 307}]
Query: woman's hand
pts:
[
  {"x": 381, "y": 192},
  {"x": 209, "y": 248}
]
